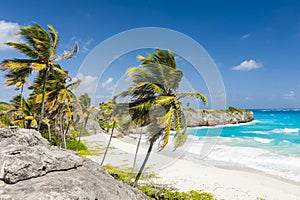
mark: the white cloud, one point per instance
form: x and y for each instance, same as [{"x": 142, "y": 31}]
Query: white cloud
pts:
[
  {"x": 86, "y": 80},
  {"x": 87, "y": 85},
  {"x": 7, "y": 34},
  {"x": 245, "y": 36},
  {"x": 289, "y": 95},
  {"x": 247, "y": 65},
  {"x": 86, "y": 44},
  {"x": 107, "y": 82}
]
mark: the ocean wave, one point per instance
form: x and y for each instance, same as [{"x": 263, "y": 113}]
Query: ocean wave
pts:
[
  {"x": 279, "y": 110},
  {"x": 250, "y": 157},
  {"x": 276, "y": 130},
  {"x": 285, "y": 130},
  {"x": 257, "y": 132}
]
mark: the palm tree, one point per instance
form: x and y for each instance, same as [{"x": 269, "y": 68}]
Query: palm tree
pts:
[
  {"x": 24, "y": 113},
  {"x": 135, "y": 156},
  {"x": 109, "y": 110},
  {"x": 154, "y": 90},
  {"x": 18, "y": 78},
  {"x": 85, "y": 104},
  {"x": 40, "y": 46},
  {"x": 60, "y": 99}
]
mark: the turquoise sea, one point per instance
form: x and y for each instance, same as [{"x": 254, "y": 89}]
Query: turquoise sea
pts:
[{"x": 271, "y": 143}]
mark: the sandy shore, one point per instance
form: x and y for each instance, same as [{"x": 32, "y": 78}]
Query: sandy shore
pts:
[{"x": 185, "y": 175}]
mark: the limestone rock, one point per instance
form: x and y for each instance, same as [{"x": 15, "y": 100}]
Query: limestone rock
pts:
[
  {"x": 208, "y": 118},
  {"x": 31, "y": 169}
]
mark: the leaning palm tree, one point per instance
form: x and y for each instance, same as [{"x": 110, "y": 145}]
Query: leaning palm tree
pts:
[
  {"x": 109, "y": 111},
  {"x": 154, "y": 99},
  {"x": 40, "y": 46}
]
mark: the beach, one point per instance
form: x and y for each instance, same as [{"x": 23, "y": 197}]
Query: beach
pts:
[{"x": 185, "y": 175}]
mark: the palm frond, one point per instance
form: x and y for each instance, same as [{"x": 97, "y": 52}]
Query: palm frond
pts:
[
  {"x": 163, "y": 57},
  {"x": 68, "y": 54},
  {"x": 167, "y": 123},
  {"x": 140, "y": 75},
  {"x": 192, "y": 95},
  {"x": 37, "y": 38},
  {"x": 55, "y": 39},
  {"x": 62, "y": 72},
  {"x": 180, "y": 123},
  {"x": 23, "y": 48},
  {"x": 14, "y": 65},
  {"x": 165, "y": 100}
]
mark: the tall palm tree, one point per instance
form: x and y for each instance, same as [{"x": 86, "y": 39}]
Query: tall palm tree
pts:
[
  {"x": 154, "y": 90},
  {"x": 40, "y": 46}
]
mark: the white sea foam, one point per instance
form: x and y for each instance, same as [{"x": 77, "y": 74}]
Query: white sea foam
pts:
[
  {"x": 286, "y": 130},
  {"x": 262, "y": 140},
  {"x": 276, "y": 130},
  {"x": 255, "y": 158},
  {"x": 257, "y": 132}
]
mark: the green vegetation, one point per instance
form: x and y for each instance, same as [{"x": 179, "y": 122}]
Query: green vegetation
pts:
[
  {"x": 230, "y": 109},
  {"x": 51, "y": 106},
  {"x": 157, "y": 192},
  {"x": 82, "y": 148},
  {"x": 233, "y": 109},
  {"x": 123, "y": 173}
]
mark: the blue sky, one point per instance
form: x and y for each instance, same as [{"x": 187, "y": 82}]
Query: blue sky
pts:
[{"x": 255, "y": 44}]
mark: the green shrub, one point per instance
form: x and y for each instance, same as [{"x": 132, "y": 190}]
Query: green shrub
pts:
[
  {"x": 121, "y": 174},
  {"x": 82, "y": 150},
  {"x": 232, "y": 109},
  {"x": 157, "y": 193}
]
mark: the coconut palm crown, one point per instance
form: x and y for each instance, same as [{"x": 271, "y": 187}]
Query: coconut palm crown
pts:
[{"x": 155, "y": 85}]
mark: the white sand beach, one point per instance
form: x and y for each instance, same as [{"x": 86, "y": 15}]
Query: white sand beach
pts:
[{"x": 185, "y": 175}]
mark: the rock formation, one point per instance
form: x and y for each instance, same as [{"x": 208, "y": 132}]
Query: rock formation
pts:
[
  {"x": 213, "y": 118},
  {"x": 31, "y": 169}
]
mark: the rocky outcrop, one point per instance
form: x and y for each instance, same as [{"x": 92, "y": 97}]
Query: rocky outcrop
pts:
[
  {"x": 31, "y": 169},
  {"x": 217, "y": 117},
  {"x": 197, "y": 118}
]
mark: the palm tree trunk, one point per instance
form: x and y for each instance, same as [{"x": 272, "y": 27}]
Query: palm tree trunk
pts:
[
  {"x": 49, "y": 132},
  {"x": 144, "y": 164},
  {"x": 21, "y": 104},
  {"x": 135, "y": 157},
  {"x": 112, "y": 132},
  {"x": 81, "y": 129},
  {"x": 43, "y": 97},
  {"x": 62, "y": 131}
]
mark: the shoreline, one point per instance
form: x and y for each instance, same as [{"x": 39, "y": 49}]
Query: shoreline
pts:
[{"x": 184, "y": 174}]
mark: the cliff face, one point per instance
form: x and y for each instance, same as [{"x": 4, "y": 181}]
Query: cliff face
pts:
[
  {"x": 212, "y": 118},
  {"x": 31, "y": 169}
]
